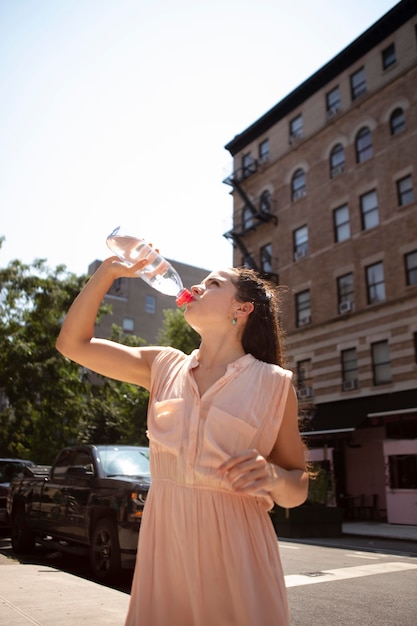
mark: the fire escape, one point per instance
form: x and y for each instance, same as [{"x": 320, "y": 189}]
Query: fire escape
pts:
[{"x": 258, "y": 216}]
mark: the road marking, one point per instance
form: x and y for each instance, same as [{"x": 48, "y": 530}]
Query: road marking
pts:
[
  {"x": 358, "y": 555},
  {"x": 284, "y": 545},
  {"x": 344, "y": 573}
]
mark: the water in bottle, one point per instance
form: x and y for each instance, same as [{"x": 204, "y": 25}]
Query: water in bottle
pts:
[{"x": 159, "y": 273}]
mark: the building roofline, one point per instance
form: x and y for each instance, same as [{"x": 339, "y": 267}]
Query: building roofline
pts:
[{"x": 380, "y": 30}]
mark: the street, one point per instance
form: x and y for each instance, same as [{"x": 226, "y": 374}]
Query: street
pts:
[
  {"x": 351, "y": 581},
  {"x": 360, "y": 582}
]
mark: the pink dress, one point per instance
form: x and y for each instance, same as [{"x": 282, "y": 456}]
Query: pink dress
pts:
[{"x": 208, "y": 556}]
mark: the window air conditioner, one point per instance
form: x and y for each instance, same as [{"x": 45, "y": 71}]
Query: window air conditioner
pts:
[
  {"x": 305, "y": 392},
  {"x": 299, "y": 193},
  {"x": 348, "y": 385},
  {"x": 300, "y": 254},
  {"x": 346, "y": 306},
  {"x": 331, "y": 112}
]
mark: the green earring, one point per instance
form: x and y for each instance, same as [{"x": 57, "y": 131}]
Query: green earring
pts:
[{"x": 234, "y": 321}]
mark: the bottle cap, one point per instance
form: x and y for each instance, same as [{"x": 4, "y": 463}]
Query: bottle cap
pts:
[{"x": 183, "y": 297}]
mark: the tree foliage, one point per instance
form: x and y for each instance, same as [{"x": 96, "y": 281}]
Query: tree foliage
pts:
[
  {"x": 177, "y": 333},
  {"x": 46, "y": 400}
]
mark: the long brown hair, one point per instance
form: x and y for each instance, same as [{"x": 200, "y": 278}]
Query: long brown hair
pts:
[{"x": 262, "y": 336}]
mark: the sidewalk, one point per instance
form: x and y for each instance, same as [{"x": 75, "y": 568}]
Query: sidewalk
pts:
[
  {"x": 380, "y": 530},
  {"x": 43, "y": 596}
]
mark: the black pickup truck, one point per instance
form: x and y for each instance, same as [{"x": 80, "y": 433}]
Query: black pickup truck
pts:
[{"x": 89, "y": 502}]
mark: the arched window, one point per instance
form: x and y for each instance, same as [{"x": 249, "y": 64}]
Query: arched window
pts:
[
  {"x": 337, "y": 160},
  {"x": 266, "y": 258},
  {"x": 265, "y": 202},
  {"x": 298, "y": 185},
  {"x": 247, "y": 218},
  {"x": 363, "y": 145},
  {"x": 397, "y": 121}
]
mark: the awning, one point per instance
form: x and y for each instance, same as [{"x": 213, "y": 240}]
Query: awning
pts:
[
  {"x": 337, "y": 424},
  {"x": 345, "y": 416}
]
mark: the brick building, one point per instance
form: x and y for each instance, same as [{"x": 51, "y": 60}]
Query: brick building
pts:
[
  {"x": 324, "y": 202},
  {"x": 137, "y": 307}
]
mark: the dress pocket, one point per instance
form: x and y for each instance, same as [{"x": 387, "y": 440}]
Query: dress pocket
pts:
[
  {"x": 226, "y": 434},
  {"x": 165, "y": 423}
]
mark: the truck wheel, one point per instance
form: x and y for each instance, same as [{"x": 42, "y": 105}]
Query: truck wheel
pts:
[
  {"x": 104, "y": 550},
  {"x": 23, "y": 540}
]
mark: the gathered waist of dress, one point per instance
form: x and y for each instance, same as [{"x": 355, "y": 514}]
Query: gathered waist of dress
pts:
[{"x": 168, "y": 469}]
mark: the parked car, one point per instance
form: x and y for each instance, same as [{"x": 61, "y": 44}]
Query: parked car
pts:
[
  {"x": 89, "y": 502},
  {"x": 9, "y": 469}
]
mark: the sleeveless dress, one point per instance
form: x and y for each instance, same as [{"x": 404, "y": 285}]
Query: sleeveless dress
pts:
[{"x": 208, "y": 556}]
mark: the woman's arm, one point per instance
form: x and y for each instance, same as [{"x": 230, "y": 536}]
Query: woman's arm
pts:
[
  {"x": 288, "y": 464},
  {"x": 285, "y": 478},
  {"x": 76, "y": 339}
]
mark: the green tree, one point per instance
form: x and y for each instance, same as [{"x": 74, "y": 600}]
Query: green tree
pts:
[
  {"x": 46, "y": 400},
  {"x": 177, "y": 333}
]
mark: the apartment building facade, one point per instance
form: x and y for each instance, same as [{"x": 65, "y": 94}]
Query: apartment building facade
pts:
[
  {"x": 138, "y": 308},
  {"x": 324, "y": 202}
]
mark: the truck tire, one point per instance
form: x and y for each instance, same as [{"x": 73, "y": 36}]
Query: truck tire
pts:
[
  {"x": 105, "y": 550},
  {"x": 23, "y": 540}
]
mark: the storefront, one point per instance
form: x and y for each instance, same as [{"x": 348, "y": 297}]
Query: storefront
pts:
[{"x": 369, "y": 446}]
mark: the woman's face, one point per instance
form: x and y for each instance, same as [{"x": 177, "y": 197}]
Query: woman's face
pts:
[{"x": 214, "y": 300}]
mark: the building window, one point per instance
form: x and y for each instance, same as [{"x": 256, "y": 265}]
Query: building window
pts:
[
  {"x": 248, "y": 262},
  {"x": 375, "y": 283},
  {"x": 333, "y": 102},
  {"x": 118, "y": 288},
  {"x": 345, "y": 293},
  {"x": 369, "y": 210},
  {"x": 248, "y": 165},
  {"x": 303, "y": 308},
  {"x": 266, "y": 259},
  {"x": 298, "y": 185},
  {"x": 300, "y": 243},
  {"x": 349, "y": 369},
  {"x": 304, "y": 379},
  {"x": 265, "y": 202},
  {"x": 411, "y": 268},
  {"x": 247, "y": 218},
  {"x": 337, "y": 160},
  {"x": 341, "y": 222},
  {"x": 388, "y": 57},
  {"x": 296, "y": 127},
  {"x": 358, "y": 83},
  {"x": 397, "y": 121},
  {"x": 150, "y": 304},
  {"x": 128, "y": 325},
  {"x": 264, "y": 151},
  {"x": 363, "y": 145},
  {"x": 405, "y": 191},
  {"x": 403, "y": 471},
  {"x": 381, "y": 363}
]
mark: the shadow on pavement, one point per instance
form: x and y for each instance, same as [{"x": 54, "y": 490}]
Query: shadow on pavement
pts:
[{"x": 75, "y": 565}]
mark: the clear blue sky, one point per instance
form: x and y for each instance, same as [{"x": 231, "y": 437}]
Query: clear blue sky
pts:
[{"x": 117, "y": 111}]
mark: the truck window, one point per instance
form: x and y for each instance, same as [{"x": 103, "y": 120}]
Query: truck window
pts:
[
  {"x": 82, "y": 458},
  {"x": 62, "y": 464}
]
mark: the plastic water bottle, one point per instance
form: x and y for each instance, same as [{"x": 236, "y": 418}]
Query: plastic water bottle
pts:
[{"x": 159, "y": 273}]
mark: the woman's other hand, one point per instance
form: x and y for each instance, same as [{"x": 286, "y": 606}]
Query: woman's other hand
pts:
[{"x": 249, "y": 473}]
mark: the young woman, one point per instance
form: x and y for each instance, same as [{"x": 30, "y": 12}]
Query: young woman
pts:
[{"x": 224, "y": 446}]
